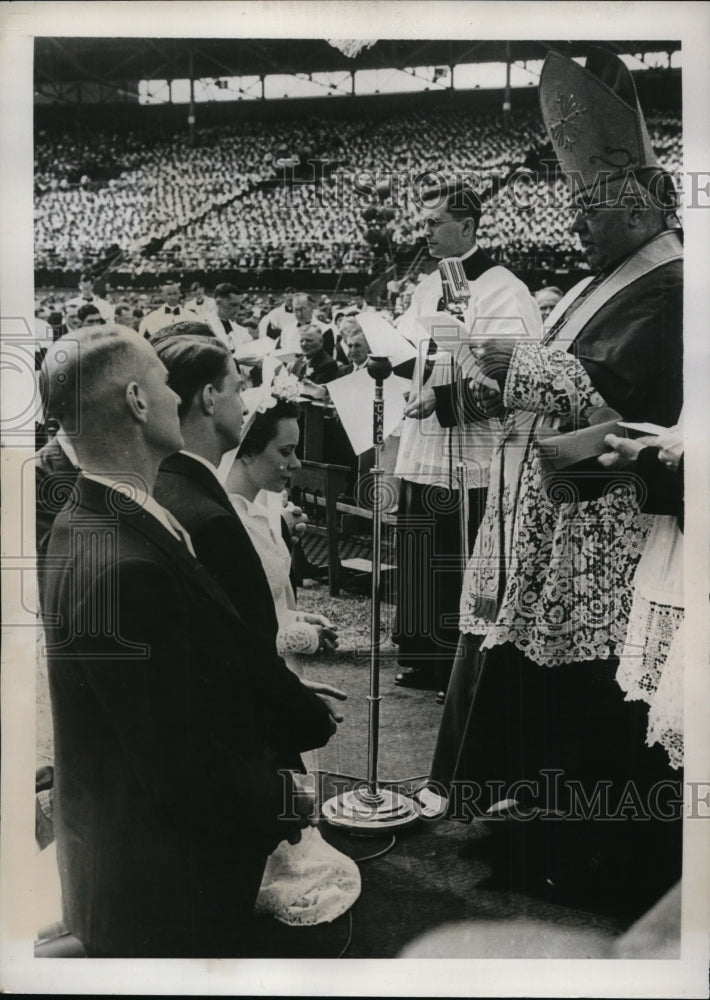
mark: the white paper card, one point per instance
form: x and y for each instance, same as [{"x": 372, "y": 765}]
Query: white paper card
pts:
[
  {"x": 353, "y": 397},
  {"x": 384, "y": 340},
  {"x": 644, "y": 428},
  {"x": 255, "y": 349}
]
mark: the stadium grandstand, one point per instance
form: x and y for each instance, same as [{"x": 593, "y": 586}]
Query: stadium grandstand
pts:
[{"x": 301, "y": 163}]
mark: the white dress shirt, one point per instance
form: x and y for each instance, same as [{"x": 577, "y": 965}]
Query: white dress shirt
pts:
[
  {"x": 66, "y": 446},
  {"x": 163, "y": 317},
  {"x": 149, "y": 504}
]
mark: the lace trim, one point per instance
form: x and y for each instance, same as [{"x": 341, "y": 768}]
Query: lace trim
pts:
[
  {"x": 552, "y": 576},
  {"x": 296, "y": 637},
  {"x": 550, "y": 381},
  {"x": 308, "y": 883},
  {"x": 651, "y": 670}
]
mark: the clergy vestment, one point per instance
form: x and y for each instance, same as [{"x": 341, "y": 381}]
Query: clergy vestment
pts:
[
  {"x": 429, "y": 557},
  {"x": 548, "y": 590}
]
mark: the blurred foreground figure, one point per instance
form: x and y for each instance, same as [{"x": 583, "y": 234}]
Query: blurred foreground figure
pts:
[{"x": 655, "y": 935}]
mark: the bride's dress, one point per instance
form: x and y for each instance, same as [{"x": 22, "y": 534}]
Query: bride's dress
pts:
[{"x": 309, "y": 882}]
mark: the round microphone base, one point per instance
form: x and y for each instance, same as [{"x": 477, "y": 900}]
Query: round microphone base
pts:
[{"x": 367, "y": 814}]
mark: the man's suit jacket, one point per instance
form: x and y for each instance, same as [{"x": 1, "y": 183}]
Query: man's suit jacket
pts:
[
  {"x": 193, "y": 495},
  {"x": 323, "y": 368},
  {"x": 55, "y": 476},
  {"x": 165, "y": 795}
]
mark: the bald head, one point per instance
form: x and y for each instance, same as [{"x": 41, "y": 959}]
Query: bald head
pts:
[{"x": 108, "y": 389}]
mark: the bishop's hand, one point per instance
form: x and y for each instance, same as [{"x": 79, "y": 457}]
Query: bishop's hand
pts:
[{"x": 493, "y": 358}]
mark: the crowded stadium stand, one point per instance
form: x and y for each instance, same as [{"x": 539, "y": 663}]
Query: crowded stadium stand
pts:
[
  {"x": 245, "y": 211},
  {"x": 271, "y": 193}
]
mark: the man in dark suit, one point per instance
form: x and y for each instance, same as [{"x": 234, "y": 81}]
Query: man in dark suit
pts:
[
  {"x": 167, "y": 791},
  {"x": 204, "y": 376},
  {"x": 357, "y": 347},
  {"x": 316, "y": 365},
  {"x": 56, "y": 472}
]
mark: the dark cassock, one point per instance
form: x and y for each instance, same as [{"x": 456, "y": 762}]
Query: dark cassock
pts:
[{"x": 549, "y": 587}]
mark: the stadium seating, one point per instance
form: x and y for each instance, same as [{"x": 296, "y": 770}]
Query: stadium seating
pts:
[{"x": 228, "y": 201}]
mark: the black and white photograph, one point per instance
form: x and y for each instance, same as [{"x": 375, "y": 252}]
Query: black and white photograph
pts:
[{"x": 347, "y": 607}]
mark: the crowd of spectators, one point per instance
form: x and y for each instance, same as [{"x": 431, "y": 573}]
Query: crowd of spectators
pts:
[
  {"x": 130, "y": 305},
  {"x": 239, "y": 199}
]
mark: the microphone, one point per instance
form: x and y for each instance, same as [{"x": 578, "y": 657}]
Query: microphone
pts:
[{"x": 455, "y": 285}]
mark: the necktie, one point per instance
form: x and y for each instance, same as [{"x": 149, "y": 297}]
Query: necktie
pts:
[{"x": 179, "y": 531}]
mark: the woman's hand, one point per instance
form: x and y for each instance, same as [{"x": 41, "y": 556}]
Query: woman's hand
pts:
[
  {"x": 327, "y": 632},
  {"x": 328, "y": 638},
  {"x": 295, "y": 519}
]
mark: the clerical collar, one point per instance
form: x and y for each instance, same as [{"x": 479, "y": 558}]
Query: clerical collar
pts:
[{"x": 469, "y": 253}]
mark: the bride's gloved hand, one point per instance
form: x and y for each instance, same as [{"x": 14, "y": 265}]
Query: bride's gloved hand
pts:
[{"x": 328, "y": 638}]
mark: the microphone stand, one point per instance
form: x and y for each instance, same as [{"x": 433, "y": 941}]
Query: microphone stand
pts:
[
  {"x": 369, "y": 808},
  {"x": 456, "y": 308}
]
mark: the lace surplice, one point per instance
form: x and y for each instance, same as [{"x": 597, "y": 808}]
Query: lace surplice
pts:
[
  {"x": 551, "y": 575},
  {"x": 651, "y": 662}
]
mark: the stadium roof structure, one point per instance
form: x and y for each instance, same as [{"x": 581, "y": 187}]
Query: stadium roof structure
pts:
[{"x": 105, "y": 60}]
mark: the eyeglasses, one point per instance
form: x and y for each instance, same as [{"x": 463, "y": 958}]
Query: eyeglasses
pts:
[{"x": 589, "y": 211}]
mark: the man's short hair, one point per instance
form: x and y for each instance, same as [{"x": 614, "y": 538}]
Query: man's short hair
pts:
[
  {"x": 351, "y": 327},
  {"x": 76, "y": 367},
  {"x": 225, "y": 289},
  {"x": 88, "y": 311},
  {"x": 192, "y": 363},
  {"x": 459, "y": 200},
  {"x": 187, "y": 328}
]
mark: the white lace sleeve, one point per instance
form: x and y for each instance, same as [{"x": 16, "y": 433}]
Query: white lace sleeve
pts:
[
  {"x": 295, "y": 636},
  {"x": 550, "y": 381}
]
